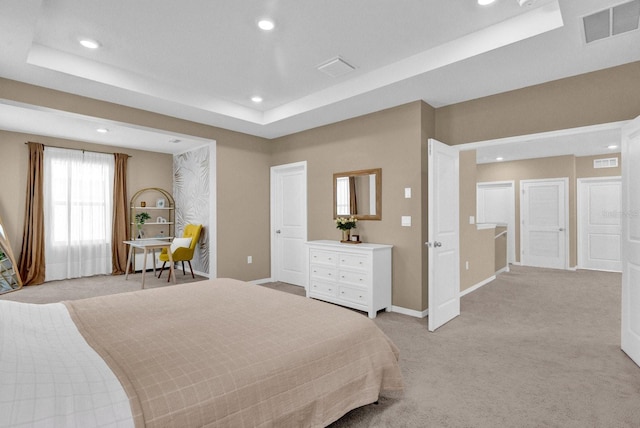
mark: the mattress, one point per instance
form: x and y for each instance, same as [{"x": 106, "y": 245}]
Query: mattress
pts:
[{"x": 221, "y": 353}]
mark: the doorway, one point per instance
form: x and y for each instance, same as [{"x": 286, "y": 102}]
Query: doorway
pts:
[
  {"x": 289, "y": 223},
  {"x": 496, "y": 204}
]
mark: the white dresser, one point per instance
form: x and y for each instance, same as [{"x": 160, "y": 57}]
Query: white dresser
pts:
[{"x": 354, "y": 275}]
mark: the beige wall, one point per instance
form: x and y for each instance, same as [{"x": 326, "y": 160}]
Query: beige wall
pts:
[
  {"x": 243, "y": 218},
  {"x": 145, "y": 169},
  {"x": 585, "y": 169},
  {"x": 477, "y": 247},
  {"x": 391, "y": 140},
  {"x": 603, "y": 96}
]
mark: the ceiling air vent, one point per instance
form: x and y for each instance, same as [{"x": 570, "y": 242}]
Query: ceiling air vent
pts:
[
  {"x": 337, "y": 67},
  {"x": 611, "y": 22},
  {"x": 605, "y": 163}
]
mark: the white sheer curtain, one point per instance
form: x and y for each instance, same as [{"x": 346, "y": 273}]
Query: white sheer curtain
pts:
[{"x": 78, "y": 198}]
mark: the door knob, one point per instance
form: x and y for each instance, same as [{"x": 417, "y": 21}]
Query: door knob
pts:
[
  {"x": 278, "y": 231},
  {"x": 437, "y": 244}
]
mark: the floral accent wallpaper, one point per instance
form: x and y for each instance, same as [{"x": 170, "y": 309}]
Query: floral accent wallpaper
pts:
[{"x": 191, "y": 194}]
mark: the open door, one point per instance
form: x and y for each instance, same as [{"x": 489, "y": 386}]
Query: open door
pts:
[
  {"x": 444, "y": 237},
  {"x": 630, "y": 338}
]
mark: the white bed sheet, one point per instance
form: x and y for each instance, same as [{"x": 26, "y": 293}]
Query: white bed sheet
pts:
[{"x": 50, "y": 376}]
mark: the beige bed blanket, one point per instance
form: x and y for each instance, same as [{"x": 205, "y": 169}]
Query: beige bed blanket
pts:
[{"x": 226, "y": 353}]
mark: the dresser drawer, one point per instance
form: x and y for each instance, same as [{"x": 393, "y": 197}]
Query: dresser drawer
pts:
[
  {"x": 353, "y": 294},
  {"x": 323, "y": 289},
  {"x": 320, "y": 257},
  {"x": 324, "y": 273},
  {"x": 354, "y": 261},
  {"x": 353, "y": 278}
]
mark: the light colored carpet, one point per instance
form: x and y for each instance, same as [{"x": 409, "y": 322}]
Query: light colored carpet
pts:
[{"x": 534, "y": 348}]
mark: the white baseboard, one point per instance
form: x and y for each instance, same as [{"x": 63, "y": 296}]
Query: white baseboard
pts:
[
  {"x": 410, "y": 312},
  {"x": 478, "y": 285},
  {"x": 261, "y": 281},
  {"x": 504, "y": 269}
]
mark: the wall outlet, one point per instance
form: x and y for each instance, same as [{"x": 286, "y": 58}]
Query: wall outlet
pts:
[
  {"x": 249, "y": 259},
  {"x": 407, "y": 192},
  {"x": 466, "y": 265},
  {"x": 472, "y": 220}
]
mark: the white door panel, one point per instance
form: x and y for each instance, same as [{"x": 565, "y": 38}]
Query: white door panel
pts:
[
  {"x": 444, "y": 239},
  {"x": 599, "y": 224},
  {"x": 543, "y": 232},
  {"x": 630, "y": 214},
  {"x": 289, "y": 223}
]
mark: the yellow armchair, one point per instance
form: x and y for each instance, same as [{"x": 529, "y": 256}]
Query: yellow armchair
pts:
[{"x": 183, "y": 254}]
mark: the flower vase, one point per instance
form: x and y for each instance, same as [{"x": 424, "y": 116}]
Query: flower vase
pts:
[{"x": 345, "y": 235}]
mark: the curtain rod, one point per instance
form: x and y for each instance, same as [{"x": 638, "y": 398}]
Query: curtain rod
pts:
[{"x": 82, "y": 150}]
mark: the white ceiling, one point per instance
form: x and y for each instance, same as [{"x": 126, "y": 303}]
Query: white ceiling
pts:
[{"x": 202, "y": 60}]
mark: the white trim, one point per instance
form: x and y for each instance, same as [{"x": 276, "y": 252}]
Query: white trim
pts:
[
  {"x": 261, "y": 281},
  {"x": 544, "y": 135},
  {"x": 410, "y": 312},
  {"x": 504, "y": 269},
  {"x": 478, "y": 285},
  {"x": 213, "y": 210}
]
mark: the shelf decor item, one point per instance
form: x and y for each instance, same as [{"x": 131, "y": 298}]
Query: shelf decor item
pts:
[
  {"x": 160, "y": 203},
  {"x": 345, "y": 224},
  {"x": 140, "y": 219}
]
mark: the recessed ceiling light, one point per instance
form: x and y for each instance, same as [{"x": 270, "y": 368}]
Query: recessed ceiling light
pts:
[
  {"x": 499, "y": 158},
  {"x": 612, "y": 146},
  {"x": 102, "y": 130},
  {"x": 266, "y": 25},
  {"x": 89, "y": 43},
  {"x": 485, "y": 2},
  {"x": 256, "y": 99}
]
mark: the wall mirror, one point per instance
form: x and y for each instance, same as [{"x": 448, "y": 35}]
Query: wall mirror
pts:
[
  {"x": 358, "y": 194},
  {"x": 9, "y": 276}
]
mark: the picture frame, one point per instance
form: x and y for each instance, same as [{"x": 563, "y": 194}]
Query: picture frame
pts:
[{"x": 160, "y": 203}]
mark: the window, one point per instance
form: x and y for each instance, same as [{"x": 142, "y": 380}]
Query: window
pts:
[
  {"x": 78, "y": 194},
  {"x": 342, "y": 196}
]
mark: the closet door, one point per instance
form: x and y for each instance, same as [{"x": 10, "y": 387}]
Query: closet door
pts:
[
  {"x": 543, "y": 232},
  {"x": 599, "y": 223}
]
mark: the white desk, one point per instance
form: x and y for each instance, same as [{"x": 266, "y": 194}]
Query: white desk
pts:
[{"x": 146, "y": 245}]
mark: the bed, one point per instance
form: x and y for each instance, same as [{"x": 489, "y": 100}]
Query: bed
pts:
[{"x": 221, "y": 353}]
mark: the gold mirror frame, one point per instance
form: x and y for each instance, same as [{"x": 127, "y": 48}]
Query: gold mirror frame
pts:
[
  {"x": 377, "y": 172},
  {"x": 9, "y": 275}
]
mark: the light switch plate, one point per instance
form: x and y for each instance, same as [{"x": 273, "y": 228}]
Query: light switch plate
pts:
[
  {"x": 407, "y": 192},
  {"x": 406, "y": 220},
  {"x": 472, "y": 220}
]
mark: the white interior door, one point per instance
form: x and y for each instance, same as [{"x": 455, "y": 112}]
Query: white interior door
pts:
[
  {"x": 444, "y": 238},
  {"x": 543, "y": 214},
  {"x": 630, "y": 341},
  {"x": 289, "y": 223},
  {"x": 496, "y": 204},
  {"x": 599, "y": 223}
]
